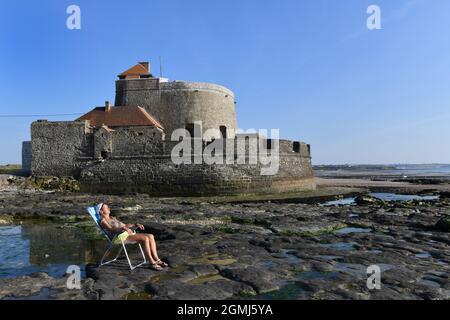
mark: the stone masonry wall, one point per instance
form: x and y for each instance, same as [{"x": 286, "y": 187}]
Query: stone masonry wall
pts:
[
  {"x": 159, "y": 176},
  {"x": 137, "y": 141},
  {"x": 178, "y": 103},
  {"x": 56, "y": 146},
  {"x": 138, "y": 160}
]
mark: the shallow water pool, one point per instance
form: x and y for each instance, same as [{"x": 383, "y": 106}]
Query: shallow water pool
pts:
[
  {"x": 350, "y": 230},
  {"x": 382, "y": 196},
  {"x": 49, "y": 248}
]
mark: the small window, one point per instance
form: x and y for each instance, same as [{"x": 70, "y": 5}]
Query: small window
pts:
[
  {"x": 223, "y": 131},
  {"x": 296, "y": 146},
  {"x": 269, "y": 144},
  {"x": 194, "y": 128},
  {"x": 140, "y": 133},
  {"x": 104, "y": 154},
  {"x": 190, "y": 129}
]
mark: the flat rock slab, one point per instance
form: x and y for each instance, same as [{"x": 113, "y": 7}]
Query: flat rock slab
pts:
[{"x": 253, "y": 250}]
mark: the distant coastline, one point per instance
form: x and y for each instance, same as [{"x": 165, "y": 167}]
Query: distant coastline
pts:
[{"x": 412, "y": 173}]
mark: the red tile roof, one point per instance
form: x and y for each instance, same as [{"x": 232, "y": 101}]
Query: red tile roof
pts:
[
  {"x": 120, "y": 117},
  {"x": 136, "y": 71}
]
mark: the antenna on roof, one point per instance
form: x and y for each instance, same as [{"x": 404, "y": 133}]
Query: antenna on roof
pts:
[{"x": 160, "y": 67}]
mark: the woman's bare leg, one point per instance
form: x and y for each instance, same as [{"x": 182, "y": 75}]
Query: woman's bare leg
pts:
[
  {"x": 145, "y": 242},
  {"x": 153, "y": 249}
]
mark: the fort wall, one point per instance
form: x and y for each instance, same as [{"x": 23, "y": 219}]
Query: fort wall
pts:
[
  {"x": 178, "y": 103},
  {"x": 160, "y": 176},
  {"x": 56, "y": 145},
  {"x": 138, "y": 159}
]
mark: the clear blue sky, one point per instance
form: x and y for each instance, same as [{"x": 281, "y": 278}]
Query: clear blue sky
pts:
[{"x": 308, "y": 67}]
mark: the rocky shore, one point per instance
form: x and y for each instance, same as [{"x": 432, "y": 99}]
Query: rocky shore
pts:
[{"x": 252, "y": 249}]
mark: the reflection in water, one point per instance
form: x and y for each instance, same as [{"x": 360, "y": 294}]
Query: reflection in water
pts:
[
  {"x": 45, "y": 248},
  {"x": 381, "y": 196},
  {"x": 340, "y": 245},
  {"x": 349, "y": 230},
  {"x": 402, "y": 197}
]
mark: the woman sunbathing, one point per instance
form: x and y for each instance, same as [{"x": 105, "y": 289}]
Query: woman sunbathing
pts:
[{"x": 113, "y": 227}]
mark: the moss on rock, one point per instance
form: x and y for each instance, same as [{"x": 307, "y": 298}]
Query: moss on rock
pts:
[{"x": 55, "y": 183}]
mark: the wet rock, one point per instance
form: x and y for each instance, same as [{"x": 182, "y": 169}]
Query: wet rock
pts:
[
  {"x": 221, "y": 251},
  {"x": 187, "y": 276},
  {"x": 160, "y": 231},
  {"x": 214, "y": 290},
  {"x": 5, "y": 220},
  {"x": 322, "y": 266},
  {"x": 26, "y": 285},
  {"x": 54, "y": 183},
  {"x": 367, "y": 200},
  {"x": 202, "y": 270},
  {"x": 42, "y": 286},
  {"x": 259, "y": 279}
]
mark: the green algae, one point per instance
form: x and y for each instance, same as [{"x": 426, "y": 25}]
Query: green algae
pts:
[
  {"x": 215, "y": 258},
  {"x": 210, "y": 242},
  {"x": 137, "y": 296},
  {"x": 163, "y": 277},
  {"x": 55, "y": 183},
  {"x": 326, "y": 230},
  {"x": 207, "y": 278},
  {"x": 178, "y": 269}
]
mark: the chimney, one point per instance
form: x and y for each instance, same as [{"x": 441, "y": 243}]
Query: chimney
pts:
[
  {"x": 146, "y": 64},
  {"x": 107, "y": 106}
]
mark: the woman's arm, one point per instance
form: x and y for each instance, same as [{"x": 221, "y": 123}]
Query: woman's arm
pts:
[
  {"x": 134, "y": 225},
  {"x": 108, "y": 227}
]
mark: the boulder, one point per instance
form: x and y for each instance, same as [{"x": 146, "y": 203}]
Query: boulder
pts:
[
  {"x": 366, "y": 200},
  {"x": 261, "y": 280}
]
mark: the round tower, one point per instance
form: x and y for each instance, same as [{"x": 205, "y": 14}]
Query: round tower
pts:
[{"x": 179, "y": 104}]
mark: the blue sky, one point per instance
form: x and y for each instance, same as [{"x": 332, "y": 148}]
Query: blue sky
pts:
[{"x": 308, "y": 67}]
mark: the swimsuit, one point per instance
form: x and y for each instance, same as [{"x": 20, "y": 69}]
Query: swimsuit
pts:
[{"x": 116, "y": 224}]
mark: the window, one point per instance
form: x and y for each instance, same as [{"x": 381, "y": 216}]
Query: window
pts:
[
  {"x": 104, "y": 154},
  {"x": 194, "y": 128},
  {"x": 296, "y": 146},
  {"x": 190, "y": 129},
  {"x": 223, "y": 131},
  {"x": 269, "y": 144}
]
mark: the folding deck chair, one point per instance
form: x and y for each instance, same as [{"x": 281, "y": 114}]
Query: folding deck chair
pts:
[{"x": 93, "y": 212}]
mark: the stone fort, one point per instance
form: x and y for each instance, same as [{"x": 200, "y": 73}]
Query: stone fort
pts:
[{"x": 127, "y": 147}]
